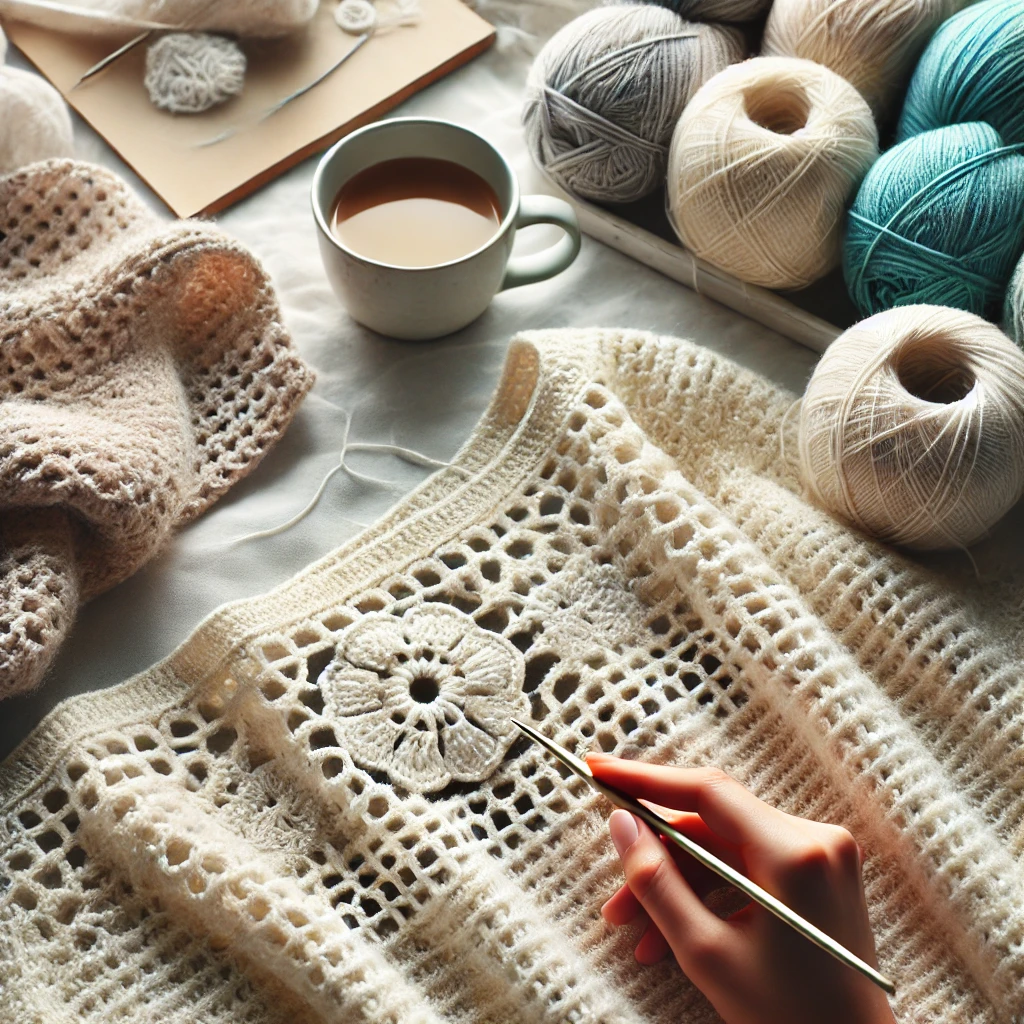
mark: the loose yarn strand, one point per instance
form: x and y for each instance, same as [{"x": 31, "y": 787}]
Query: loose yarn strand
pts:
[{"x": 408, "y": 454}]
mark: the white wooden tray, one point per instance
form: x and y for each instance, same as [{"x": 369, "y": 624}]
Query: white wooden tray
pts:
[{"x": 629, "y": 230}]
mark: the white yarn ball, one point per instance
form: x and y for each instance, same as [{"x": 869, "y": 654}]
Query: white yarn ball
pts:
[
  {"x": 1013, "y": 318},
  {"x": 606, "y": 91},
  {"x": 761, "y": 166},
  {"x": 873, "y": 44},
  {"x": 912, "y": 427},
  {"x": 189, "y": 72},
  {"x": 356, "y": 16},
  {"x": 35, "y": 123}
]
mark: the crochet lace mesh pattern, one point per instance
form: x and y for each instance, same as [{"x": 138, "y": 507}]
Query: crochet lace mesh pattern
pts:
[
  {"x": 316, "y": 809},
  {"x": 143, "y": 370}
]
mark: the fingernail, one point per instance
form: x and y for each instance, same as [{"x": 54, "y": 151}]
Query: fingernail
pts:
[{"x": 622, "y": 826}]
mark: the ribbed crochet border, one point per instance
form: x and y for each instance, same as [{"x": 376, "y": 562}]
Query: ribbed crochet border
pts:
[{"x": 543, "y": 374}]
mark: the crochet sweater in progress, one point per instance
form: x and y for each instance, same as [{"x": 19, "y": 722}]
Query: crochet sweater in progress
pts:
[{"x": 317, "y": 809}]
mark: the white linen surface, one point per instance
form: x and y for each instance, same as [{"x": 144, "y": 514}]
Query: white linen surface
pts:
[{"x": 426, "y": 396}]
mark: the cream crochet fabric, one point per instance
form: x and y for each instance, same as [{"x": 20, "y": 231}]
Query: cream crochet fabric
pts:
[
  {"x": 317, "y": 811},
  {"x": 143, "y": 370}
]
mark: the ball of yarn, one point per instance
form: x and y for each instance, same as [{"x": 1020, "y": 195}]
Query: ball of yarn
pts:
[
  {"x": 355, "y": 16},
  {"x": 938, "y": 218},
  {"x": 189, "y": 72},
  {"x": 606, "y": 91},
  {"x": 35, "y": 123},
  {"x": 1013, "y": 310},
  {"x": 715, "y": 10},
  {"x": 912, "y": 427},
  {"x": 972, "y": 70},
  {"x": 761, "y": 166},
  {"x": 873, "y": 44}
]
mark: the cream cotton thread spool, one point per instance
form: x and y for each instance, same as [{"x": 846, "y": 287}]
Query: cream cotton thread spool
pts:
[
  {"x": 761, "y": 166},
  {"x": 873, "y": 44},
  {"x": 606, "y": 91},
  {"x": 912, "y": 427}
]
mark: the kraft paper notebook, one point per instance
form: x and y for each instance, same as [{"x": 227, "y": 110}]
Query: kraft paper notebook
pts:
[{"x": 165, "y": 149}]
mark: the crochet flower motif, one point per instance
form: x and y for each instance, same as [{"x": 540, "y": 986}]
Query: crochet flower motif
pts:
[{"x": 427, "y": 697}]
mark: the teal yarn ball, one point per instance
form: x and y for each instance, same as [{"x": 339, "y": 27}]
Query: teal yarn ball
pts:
[
  {"x": 939, "y": 219},
  {"x": 972, "y": 70}
]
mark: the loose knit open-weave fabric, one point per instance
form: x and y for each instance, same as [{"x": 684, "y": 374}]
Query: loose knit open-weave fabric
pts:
[
  {"x": 143, "y": 370},
  {"x": 317, "y": 809}
]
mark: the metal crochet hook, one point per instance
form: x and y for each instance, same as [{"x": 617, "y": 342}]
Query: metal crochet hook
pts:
[{"x": 710, "y": 861}]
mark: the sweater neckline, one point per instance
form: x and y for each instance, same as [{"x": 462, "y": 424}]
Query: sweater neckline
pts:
[{"x": 541, "y": 377}]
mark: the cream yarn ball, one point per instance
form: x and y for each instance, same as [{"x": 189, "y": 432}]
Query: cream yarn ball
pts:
[
  {"x": 35, "y": 123},
  {"x": 761, "y": 165},
  {"x": 873, "y": 44},
  {"x": 189, "y": 72},
  {"x": 606, "y": 91},
  {"x": 912, "y": 427}
]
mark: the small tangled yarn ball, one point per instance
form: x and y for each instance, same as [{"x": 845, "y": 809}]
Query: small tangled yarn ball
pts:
[
  {"x": 873, "y": 44},
  {"x": 761, "y": 166},
  {"x": 189, "y": 72},
  {"x": 606, "y": 91},
  {"x": 355, "y": 16},
  {"x": 972, "y": 70},
  {"x": 715, "y": 10},
  {"x": 938, "y": 218},
  {"x": 1013, "y": 310},
  {"x": 35, "y": 123},
  {"x": 912, "y": 427}
]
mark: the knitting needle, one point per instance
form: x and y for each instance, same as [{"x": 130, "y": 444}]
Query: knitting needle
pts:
[
  {"x": 360, "y": 40},
  {"x": 709, "y": 860},
  {"x": 111, "y": 57},
  {"x": 141, "y": 38}
]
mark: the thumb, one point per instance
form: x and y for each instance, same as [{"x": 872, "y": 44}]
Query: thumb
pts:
[{"x": 697, "y": 937}]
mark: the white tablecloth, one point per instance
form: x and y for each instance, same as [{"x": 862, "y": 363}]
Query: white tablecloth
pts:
[{"x": 423, "y": 395}]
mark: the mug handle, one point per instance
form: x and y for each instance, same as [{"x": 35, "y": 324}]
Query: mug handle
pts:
[{"x": 539, "y": 266}]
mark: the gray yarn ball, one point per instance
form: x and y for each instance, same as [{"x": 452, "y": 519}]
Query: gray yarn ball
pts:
[
  {"x": 605, "y": 93},
  {"x": 189, "y": 72}
]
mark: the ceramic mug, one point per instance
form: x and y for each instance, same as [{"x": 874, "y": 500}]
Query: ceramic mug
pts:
[{"x": 427, "y": 302}]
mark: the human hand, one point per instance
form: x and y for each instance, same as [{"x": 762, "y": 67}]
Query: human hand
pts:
[{"x": 752, "y": 967}]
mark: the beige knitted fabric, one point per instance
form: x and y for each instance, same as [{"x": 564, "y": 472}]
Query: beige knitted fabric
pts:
[
  {"x": 317, "y": 810},
  {"x": 143, "y": 370}
]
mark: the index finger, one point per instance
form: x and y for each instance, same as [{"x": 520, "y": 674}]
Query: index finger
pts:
[{"x": 729, "y": 810}]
